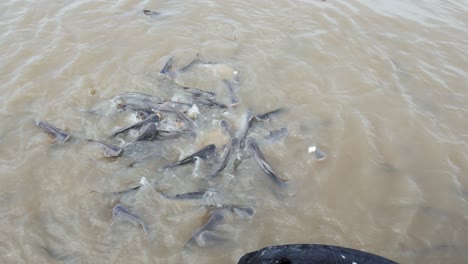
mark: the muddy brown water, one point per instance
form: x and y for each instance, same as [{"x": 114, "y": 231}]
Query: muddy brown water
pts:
[{"x": 380, "y": 86}]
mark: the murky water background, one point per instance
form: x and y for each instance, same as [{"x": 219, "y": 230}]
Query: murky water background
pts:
[{"x": 380, "y": 86}]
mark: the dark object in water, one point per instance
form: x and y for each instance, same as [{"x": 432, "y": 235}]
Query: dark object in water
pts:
[
  {"x": 200, "y": 93},
  {"x": 109, "y": 150},
  {"x": 168, "y": 109},
  {"x": 244, "y": 127},
  {"x": 202, "y": 153},
  {"x": 260, "y": 159},
  {"x": 193, "y": 62},
  {"x": 232, "y": 94},
  {"x": 121, "y": 210},
  {"x": 225, "y": 159},
  {"x": 132, "y": 189},
  {"x": 240, "y": 211},
  {"x": 197, "y": 195},
  {"x": 165, "y": 134},
  {"x": 244, "y": 212},
  {"x": 134, "y": 101},
  {"x": 143, "y": 113},
  {"x": 151, "y": 119},
  {"x": 148, "y": 132},
  {"x": 209, "y": 102},
  {"x": 150, "y": 13},
  {"x": 267, "y": 115},
  {"x": 277, "y": 135},
  {"x": 57, "y": 134},
  {"x": 226, "y": 127},
  {"x": 128, "y": 190},
  {"x": 311, "y": 254},
  {"x": 206, "y": 234},
  {"x": 167, "y": 67}
]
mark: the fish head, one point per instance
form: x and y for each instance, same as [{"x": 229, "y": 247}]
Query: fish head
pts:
[{"x": 250, "y": 143}]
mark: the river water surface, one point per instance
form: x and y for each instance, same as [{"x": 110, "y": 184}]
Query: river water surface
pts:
[{"x": 380, "y": 86}]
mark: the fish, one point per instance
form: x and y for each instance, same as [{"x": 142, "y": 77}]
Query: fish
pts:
[
  {"x": 143, "y": 182},
  {"x": 206, "y": 234},
  {"x": 148, "y": 132},
  {"x": 223, "y": 70},
  {"x": 143, "y": 113},
  {"x": 150, "y": 106},
  {"x": 196, "y": 195},
  {"x": 167, "y": 67},
  {"x": 244, "y": 127},
  {"x": 109, "y": 150},
  {"x": 238, "y": 210},
  {"x": 139, "y": 107},
  {"x": 123, "y": 192},
  {"x": 150, "y": 13},
  {"x": 154, "y": 118},
  {"x": 267, "y": 115},
  {"x": 121, "y": 210},
  {"x": 57, "y": 134},
  {"x": 193, "y": 62},
  {"x": 232, "y": 94},
  {"x": 309, "y": 254},
  {"x": 202, "y": 153},
  {"x": 209, "y": 102},
  {"x": 167, "y": 109},
  {"x": 226, "y": 127},
  {"x": 180, "y": 106},
  {"x": 200, "y": 93},
  {"x": 244, "y": 212},
  {"x": 225, "y": 159},
  {"x": 132, "y": 189},
  {"x": 134, "y": 101},
  {"x": 166, "y": 135},
  {"x": 260, "y": 159},
  {"x": 277, "y": 135},
  {"x": 186, "y": 119}
]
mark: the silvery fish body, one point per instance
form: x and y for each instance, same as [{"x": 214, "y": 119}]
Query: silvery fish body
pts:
[
  {"x": 268, "y": 115},
  {"x": 148, "y": 132},
  {"x": 121, "y": 210},
  {"x": 244, "y": 126},
  {"x": 224, "y": 124},
  {"x": 167, "y": 67},
  {"x": 202, "y": 153},
  {"x": 134, "y": 101},
  {"x": 225, "y": 159},
  {"x": 232, "y": 94},
  {"x": 277, "y": 135},
  {"x": 109, "y": 150},
  {"x": 196, "y": 195},
  {"x": 260, "y": 159},
  {"x": 209, "y": 102},
  {"x": 206, "y": 235},
  {"x": 57, "y": 134},
  {"x": 200, "y": 93},
  {"x": 154, "y": 118}
]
